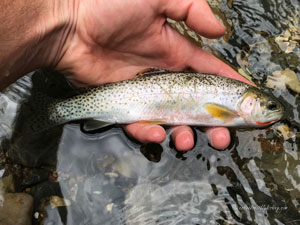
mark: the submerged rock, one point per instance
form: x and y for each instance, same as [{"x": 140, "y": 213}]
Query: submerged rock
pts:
[
  {"x": 7, "y": 184},
  {"x": 16, "y": 209}
]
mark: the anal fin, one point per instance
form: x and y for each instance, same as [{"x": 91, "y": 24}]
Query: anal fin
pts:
[
  {"x": 91, "y": 125},
  {"x": 152, "y": 122}
]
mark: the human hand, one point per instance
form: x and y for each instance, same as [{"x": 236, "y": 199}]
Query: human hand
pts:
[
  {"x": 95, "y": 42},
  {"x": 112, "y": 42}
]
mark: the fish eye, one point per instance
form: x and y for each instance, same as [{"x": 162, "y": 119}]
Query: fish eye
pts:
[{"x": 272, "y": 105}]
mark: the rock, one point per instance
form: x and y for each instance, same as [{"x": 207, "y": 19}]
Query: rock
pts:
[
  {"x": 16, "y": 209},
  {"x": 56, "y": 201},
  {"x": 284, "y": 79},
  {"x": 7, "y": 184}
]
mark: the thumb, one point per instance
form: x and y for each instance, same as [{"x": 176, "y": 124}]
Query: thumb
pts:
[{"x": 196, "y": 14}]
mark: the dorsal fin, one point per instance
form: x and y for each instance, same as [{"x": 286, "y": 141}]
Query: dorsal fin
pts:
[{"x": 152, "y": 71}]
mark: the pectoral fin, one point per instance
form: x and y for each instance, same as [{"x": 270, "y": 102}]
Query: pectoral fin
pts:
[
  {"x": 91, "y": 125},
  {"x": 220, "y": 112}
]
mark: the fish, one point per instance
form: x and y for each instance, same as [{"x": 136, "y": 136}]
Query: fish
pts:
[{"x": 167, "y": 98}]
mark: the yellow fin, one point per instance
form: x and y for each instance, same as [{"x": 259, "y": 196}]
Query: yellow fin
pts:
[
  {"x": 220, "y": 112},
  {"x": 152, "y": 122}
]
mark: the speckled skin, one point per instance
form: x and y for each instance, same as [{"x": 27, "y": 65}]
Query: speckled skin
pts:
[{"x": 172, "y": 98}]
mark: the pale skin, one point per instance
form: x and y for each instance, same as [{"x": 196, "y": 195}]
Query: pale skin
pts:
[{"x": 95, "y": 42}]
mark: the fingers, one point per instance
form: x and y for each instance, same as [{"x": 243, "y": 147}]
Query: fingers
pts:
[
  {"x": 186, "y": 54},
  {"x": 205, "y": 62},
  {"x": 183, "y": 138},
  {"x": 146, "y": 133},
  {"x": 197, "y": 15},
  {"x": 219, "y": 137}
]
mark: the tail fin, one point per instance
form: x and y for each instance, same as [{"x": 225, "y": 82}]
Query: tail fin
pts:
[{"x": 35, "y": 114}]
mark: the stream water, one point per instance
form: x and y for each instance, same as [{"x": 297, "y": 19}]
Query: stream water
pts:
[{"x": 107, "y": 178}]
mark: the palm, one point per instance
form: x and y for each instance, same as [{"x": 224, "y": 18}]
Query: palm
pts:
[{"x": 139, "y": 39}]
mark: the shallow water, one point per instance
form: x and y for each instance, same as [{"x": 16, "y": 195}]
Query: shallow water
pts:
[{"x": 106, "y": 178}]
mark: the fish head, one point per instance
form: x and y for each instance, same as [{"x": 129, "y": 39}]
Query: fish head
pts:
[{"x": 260, "y": 109}]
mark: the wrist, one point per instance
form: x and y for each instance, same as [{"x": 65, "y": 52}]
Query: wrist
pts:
[{"x": 34, "y": 35}]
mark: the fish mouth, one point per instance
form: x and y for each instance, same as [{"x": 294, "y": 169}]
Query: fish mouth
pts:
[
  {"x": 277, "y": 115},
  {"x": 265, "y": 123},
  {"x": 272, "y": 118}
]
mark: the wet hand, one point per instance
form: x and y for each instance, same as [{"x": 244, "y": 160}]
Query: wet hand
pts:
[
  {"x": 182, "y": 136},
  {"x": 112, "y": 42}
]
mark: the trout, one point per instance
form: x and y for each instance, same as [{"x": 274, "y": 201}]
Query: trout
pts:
[{"x": 169, "y": 98}]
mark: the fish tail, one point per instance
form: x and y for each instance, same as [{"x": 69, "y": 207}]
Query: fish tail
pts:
[{"x": 37, "y": 113}]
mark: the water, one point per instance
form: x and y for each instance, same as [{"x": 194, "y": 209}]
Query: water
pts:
[{"x": 107, "y": 178}]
